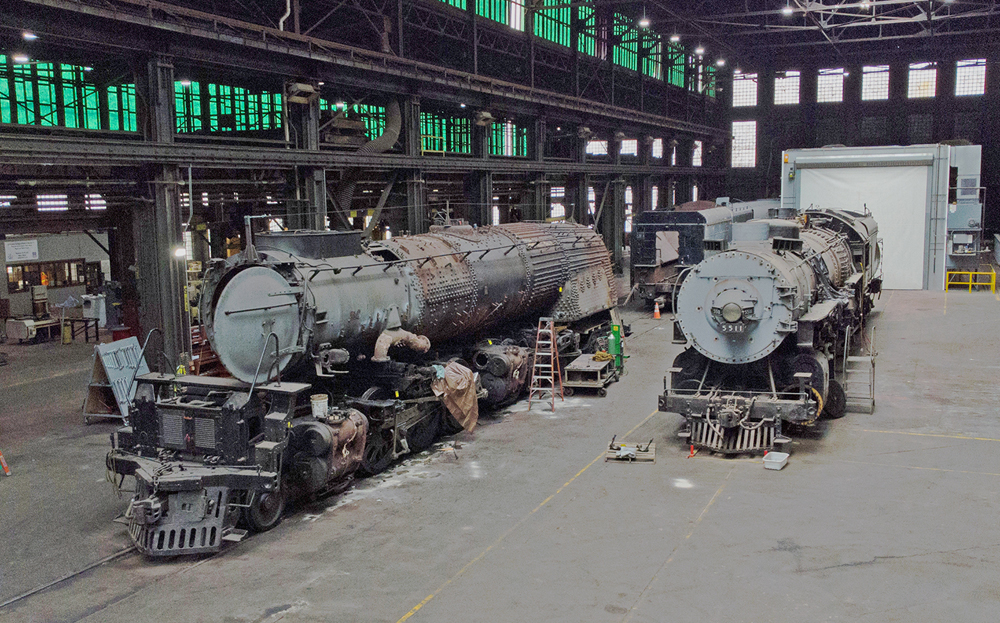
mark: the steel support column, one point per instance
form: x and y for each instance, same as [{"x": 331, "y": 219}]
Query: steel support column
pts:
[
  {"x": 310, "y": 182},
  {"x": 613, "y": 222},
  {"x": 542, "y": 201},
  {"x": 479, "y": 190},
  {"x": 161, "y": 274},
  {"x": 416, "y": 201}
]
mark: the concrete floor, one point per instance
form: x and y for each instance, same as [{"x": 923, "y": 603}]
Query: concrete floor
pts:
[{"x": 884, "y": 517}]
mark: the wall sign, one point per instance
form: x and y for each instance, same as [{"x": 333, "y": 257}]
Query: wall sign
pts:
[{"x": 21, "y": 250}]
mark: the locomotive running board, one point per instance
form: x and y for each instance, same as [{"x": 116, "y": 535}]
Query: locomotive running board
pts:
[{"x": 736, "y": 440}]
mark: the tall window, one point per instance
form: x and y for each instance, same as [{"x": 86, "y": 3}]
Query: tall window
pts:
[
  {"x": 830, "y": 86},
  {"x": 875, "y": 82},
  {"x": 923, "y": 80},
  {"x": 657, "y": 147},
  {"x": 629, "y": 200},
  {"x": 557, "y": 209},
  {"x": 744, "y": 90},
  {"x": 696, "y": 154},
  {"x": 552, "y": 21},
  {"x": 970, "y": 77},
  {"x": 786, "y": 87},
  {"x": 630, "y": 147},
  {"x": 744, "y": 144}
]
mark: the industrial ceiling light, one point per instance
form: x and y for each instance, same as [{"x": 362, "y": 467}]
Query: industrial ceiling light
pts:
[
  {"x": 21, "y": 58},
  {"x": 461, "y": 105},
  {"x": 29, "y": 36},
  {"x": 721, "y": 62},
  {"x": 675, "y": 38},
  {"x": 699, "y": 50},
  {"x": 180, "y": 252},
  {"x": 184, "y": 83},
  {"x": 787, "y": 10},
  {"x": 644, "y": 22}
]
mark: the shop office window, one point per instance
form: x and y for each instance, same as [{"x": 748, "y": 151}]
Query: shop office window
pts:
[{"x": 20, "y": 277}]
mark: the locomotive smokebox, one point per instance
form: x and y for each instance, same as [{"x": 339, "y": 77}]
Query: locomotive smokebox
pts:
[{"x": 252, "y": 303}]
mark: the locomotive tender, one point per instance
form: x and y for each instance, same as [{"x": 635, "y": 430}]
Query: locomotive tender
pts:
[
  {"x": 665, "y": 243},
  {"x": 367, "y": 333},
  {"x": 768, "y": 322}
]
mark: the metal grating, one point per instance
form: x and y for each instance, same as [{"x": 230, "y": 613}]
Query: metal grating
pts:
[
  {"x": 204, "y": 433},
  {"x": 732, "y": 440},
  {"x": 172, "y": 429}
]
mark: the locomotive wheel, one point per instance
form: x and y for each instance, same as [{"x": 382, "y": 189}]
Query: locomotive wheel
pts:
[
  {"x": 836, "y": 402},
  {"x": 265, "y": 511},
  {"x": 602, "y": 392},
  {"x": 423, "y": 434},
  {"x": 378, "y": 452},
  {"x": 567, "y": 392}
]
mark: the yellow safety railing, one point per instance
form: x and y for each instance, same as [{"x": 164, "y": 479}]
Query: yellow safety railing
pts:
[{"x": 972, "y": 279}]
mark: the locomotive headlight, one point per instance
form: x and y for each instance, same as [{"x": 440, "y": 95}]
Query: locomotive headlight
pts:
[{"x": 731, "y": 312}]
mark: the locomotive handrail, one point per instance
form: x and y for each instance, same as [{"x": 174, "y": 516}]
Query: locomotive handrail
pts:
[{"x": 263, "y": 351}]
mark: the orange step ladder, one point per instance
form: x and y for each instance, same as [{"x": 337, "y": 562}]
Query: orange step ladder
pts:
[{"x": 546, "y": 377}]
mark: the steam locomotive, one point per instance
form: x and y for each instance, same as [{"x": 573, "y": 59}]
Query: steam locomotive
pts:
[
  {"x": 768, "y": 323},
  {"x": 386, "y": 345}
]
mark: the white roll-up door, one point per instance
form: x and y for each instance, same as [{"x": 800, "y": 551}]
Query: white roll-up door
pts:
[{"x": 897, "y": 198}]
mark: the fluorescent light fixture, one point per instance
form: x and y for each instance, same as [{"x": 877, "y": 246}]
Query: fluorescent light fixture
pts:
[
  {"x": 675, "y": 38},
  {"x": 320, "y": 83},
  {"x": 461, "y": 105},
  {"x": 721, "y": 62},
  {"x": 787, "y": 10},
  {"x": 699, "y": 50},
  {"x": 21, "y": 58},
  {"x": 180, "y": 252},
  {"x": 29, "y": 36},
  {"x": 88, "y": 69},
  {"x": 184, "y": 83},
  {"x": 644, "y": 22}
]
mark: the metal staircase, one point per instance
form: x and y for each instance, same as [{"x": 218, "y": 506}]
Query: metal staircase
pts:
[{"x": 859, "y": 378}]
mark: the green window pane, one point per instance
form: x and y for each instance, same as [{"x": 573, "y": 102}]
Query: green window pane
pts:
[
  {"x": 6, "y": 111},
  {"x": 626, "y": 49},
  {"x": 586, "y": 41},
  {"x": 552, "y": 21}
]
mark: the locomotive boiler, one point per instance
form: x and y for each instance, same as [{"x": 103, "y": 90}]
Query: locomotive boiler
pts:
[
  {"x": 768, "y": 324},
  {"x": 344, "y": 357}
]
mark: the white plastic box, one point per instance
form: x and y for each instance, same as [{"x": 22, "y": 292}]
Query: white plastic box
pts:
[{"x": 775, "y": 460}]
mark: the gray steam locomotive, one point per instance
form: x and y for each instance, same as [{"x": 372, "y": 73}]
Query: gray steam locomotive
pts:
[
  {"x": 376, "y": 338},
  {"x": 768, "y": 322}
]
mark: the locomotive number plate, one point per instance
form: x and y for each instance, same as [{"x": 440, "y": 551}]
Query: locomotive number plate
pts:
[{"x": 733, "y": 328}]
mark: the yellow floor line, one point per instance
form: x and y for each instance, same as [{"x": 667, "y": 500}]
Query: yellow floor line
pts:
[
  {"x": 510, "y": 531},
  {"x": 666, "y": 562},
  {"x": 897, "y": 432}
]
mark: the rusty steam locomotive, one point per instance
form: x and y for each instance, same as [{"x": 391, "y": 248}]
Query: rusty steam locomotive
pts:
[{"x": 343, "y": 358}]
